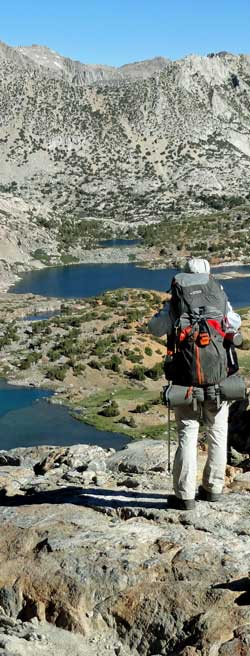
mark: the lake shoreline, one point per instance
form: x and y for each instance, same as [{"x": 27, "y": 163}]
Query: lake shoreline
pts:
[
  {"x": 89, "y": 390},
  {"x": 138, "y": 255}
]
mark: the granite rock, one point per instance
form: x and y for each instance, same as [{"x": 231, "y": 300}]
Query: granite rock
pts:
[{"x": 112, "y": 567}]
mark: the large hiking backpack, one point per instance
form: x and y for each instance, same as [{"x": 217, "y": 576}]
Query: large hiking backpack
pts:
[{"x": 199, "y": 305}]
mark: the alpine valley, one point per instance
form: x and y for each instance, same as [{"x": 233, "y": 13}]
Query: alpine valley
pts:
[{"x": 94, "y": 151}]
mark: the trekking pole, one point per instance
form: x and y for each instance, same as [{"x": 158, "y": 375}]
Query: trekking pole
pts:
[{"x": 169, "y": 439}]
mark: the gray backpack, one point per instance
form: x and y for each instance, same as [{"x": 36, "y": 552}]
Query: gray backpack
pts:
[{"x": 199, "y": 305}]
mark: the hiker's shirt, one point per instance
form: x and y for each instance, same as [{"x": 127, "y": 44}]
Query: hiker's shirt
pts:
[{"x": 162, "y": 322}]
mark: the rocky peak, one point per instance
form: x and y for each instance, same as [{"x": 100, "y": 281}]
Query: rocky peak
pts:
[
  {"x": 52, "y": 61},
  {"x": 9, "y": 54},
  {"x": 87, "y": 73},
  {"x": 145, "y": 68}
]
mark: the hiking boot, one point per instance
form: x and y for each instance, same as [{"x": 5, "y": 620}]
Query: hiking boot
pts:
[
  {"x": 204, "y": 495},
  {"x": 181, "y": 504}
]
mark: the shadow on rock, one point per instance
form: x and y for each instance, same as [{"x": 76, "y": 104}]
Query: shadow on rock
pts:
[{"x": 91, "y": 497}]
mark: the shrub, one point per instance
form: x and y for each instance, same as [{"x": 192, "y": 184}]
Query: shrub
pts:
[
  {"x": 57, "y": 373},
  {"x": 38, "y": 326},
  {"x": 32, "y": 358},
  {"x": 110, "y": 410},
  {"x": 102, "y": 346},
  {"x": 148, "y": 350},
  {"x": 134, "y": 357},
  {"x": 78, "y": 369},
  {"x": 95, "y": 364},
  {"x": 138, "y": 373},
  {"x": 104, "y": 316},
  {"x": 54, "y": 354},
  {"x": 39, "y": 254},
  {"x": 134, "y": 315},
  {"x": 113, "y": 363},
  {"x": 47, "y": 330},
  {"x": 156, "y": 372},
  {"x": 125, "y": 337},
  {"x": 128, "y": 421},
  {"x": 76, "y": 323},
  {"x": 65, "y": 308},
  {"x": 142, "y": 408}
]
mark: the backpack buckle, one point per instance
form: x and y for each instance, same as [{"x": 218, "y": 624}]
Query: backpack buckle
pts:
[{"x": 204, "y": 339}]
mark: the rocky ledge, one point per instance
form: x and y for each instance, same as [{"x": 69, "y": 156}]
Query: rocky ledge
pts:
[{"x": 94, "y": 560}]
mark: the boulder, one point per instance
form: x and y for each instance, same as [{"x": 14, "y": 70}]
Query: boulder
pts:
[{"x": 116, "y": 569}]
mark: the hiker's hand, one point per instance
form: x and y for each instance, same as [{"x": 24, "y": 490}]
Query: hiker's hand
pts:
[{"x": 167, "y": 298}]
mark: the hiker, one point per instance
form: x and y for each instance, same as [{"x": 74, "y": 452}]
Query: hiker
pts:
[{"x": 195, "y": 321}]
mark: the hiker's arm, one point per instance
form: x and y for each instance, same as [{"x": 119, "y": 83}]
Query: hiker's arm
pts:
[
  {"x": 161, "y": 323},
  {"x": 232, "y": 319}
]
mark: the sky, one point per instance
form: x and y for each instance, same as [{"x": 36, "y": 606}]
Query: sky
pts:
[{"x": 117, "y": 32}]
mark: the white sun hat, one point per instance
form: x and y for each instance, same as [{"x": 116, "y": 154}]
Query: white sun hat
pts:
[{"x": 197, "y": 265}]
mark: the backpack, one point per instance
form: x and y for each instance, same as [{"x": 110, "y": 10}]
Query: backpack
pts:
[{"x": 199, "y": 306}]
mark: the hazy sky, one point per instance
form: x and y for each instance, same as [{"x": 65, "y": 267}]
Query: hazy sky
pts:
[{"x": 119, "y": 31}]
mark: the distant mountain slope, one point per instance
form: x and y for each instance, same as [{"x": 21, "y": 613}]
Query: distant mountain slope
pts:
[
  {"x": 135, "y": 143},
  {"x": 41, "y": 56}
]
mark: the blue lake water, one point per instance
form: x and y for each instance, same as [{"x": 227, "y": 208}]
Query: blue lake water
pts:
[
  {"x": 119, "y": 243},
  {"x": 84, "y": 280},
  {"x": 26, "y": 419},
  {"x": 40, "y": 316}
]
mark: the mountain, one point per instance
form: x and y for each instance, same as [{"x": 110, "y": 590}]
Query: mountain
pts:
[
  {"x": 40, "y": 57},
  {"x": 135, "y": 143}
]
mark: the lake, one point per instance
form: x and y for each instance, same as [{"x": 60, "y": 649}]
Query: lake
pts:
[
  {"x": 26, "y": 419},
  {"x": 84, "y": 280},
  {"x": 119, "y": 243},
  {"x": 41, "y": 316}
]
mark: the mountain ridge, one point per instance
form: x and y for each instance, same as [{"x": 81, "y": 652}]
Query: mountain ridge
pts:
[
  {"x": 140, "y": 148},
  {"x": 47, "y": 58}
]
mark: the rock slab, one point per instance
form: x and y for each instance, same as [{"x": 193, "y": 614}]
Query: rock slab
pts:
[{"x": 93, "y": 559}]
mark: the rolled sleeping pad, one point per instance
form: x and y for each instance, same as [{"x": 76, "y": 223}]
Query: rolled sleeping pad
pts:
[
  {"x": 233, "y": 388},
  {"x": 175, "y": 395}
]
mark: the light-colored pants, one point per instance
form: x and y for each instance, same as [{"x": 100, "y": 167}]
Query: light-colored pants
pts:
[{"x": 185, "y": 462}]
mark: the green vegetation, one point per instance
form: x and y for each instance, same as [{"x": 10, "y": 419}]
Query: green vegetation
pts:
[
  {"x": 57, "y": 373},
  {"x": 144, "y": 407},
  {"x": 40, "y": 254},
  {"x": 69, "y": 259},
  {"x": 156, "y": 371},
  {"x": 217, "y": 235},
  {"x": 110, "y": 410},
  {"x": 73, "y": 230},
  {"x": 113, "y": 363},
  {"x": 69, "y": 345},
  {"x": 9, "y": 335},
  {"x": 138, "y": 373},
  {"x": 78, "y": 369},
  {"x": 128, "y": 421},
  {"x": 32, "y": 358},
  {"x": 133, "y": 356}
]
